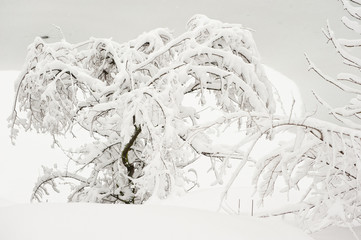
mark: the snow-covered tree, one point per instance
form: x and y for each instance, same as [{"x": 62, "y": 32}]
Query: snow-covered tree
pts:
[
  {"x": 323, "y": 159},
  {"x": 128, "y": 99}
]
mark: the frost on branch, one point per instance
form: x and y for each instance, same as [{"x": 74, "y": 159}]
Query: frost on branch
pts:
[
  {"x": 129, "y": 99},
  {"x": 323, "y": 159}
]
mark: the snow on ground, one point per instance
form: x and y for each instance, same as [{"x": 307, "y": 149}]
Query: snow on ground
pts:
[
  {"x": 208, "y": 199},
  {"x": 338, "y": 233},
  {"x": 96, "y": 221},
  {"x": 5, "y": 203},
  {"x": 286, "y": 93}
]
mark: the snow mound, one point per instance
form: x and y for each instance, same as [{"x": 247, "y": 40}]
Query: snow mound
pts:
[
  {"x": 5, "y": 203},
  {"x": 99, "y": 221},
  {"x": 286, "y": 93}
]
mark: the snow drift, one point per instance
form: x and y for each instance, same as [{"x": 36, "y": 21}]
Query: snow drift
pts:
[{"x": 101, "y": 221}]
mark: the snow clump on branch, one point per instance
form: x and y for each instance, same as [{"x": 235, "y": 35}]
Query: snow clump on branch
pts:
[{"x": 129, "y": 99}]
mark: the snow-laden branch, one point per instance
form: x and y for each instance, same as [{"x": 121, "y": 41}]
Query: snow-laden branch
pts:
[
  {"x": 321, "y": 159},
  {"x": 324, "y": 155},
  {"x": 129, "y": 100}
]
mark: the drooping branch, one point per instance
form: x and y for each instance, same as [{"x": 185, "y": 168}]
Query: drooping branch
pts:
[
  {"x": 128, "y": 99},
  {"x": 48, "y": 179}
]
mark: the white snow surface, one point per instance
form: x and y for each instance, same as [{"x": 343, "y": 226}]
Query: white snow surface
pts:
[
  {"x": 286, "y": 92},
  {"x": 100, "y": 221}
]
